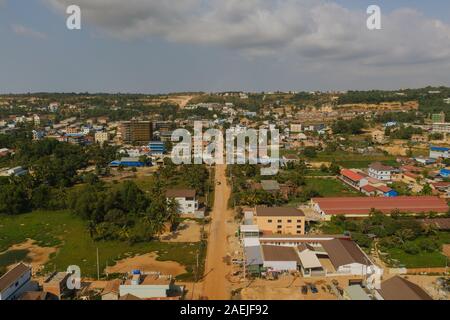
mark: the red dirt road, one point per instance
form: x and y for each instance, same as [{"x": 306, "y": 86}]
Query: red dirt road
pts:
[{"x": 215, "y": 284}]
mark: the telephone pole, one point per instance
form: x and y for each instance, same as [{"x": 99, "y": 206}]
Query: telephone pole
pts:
[{"x": 98, "y": 267}]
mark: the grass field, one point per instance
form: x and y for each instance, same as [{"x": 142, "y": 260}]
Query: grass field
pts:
[
  {"x": 331, "y": 187},
  {"x": 353, "y": 160},
  {"x": 423, "y": 259},
  {"x": 68, "y": 233}
]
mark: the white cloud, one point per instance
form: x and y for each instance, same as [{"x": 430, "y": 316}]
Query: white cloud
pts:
[
  {"x": 27, "y": 32},
  {"x": 307, "y": 29}
]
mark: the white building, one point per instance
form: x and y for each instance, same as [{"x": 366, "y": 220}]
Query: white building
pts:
[
  {"x": 186, "y": 199},
  {"x": 15, "y": 282},
  {"x": 381, "y": 172}
]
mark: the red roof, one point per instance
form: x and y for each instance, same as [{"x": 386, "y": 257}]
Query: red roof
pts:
[
  {"x": 369, "y": 188},
  {"x": 351, "y": 175},
  {"x": 364, "y": 205},
  {"x": 384, "y": 189}
]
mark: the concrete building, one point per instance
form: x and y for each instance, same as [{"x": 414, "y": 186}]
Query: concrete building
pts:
[
  {"x": 439, "y": 152},
  {"x": 101, "y": 137},
  {"x": 186, "y": 199},
  {"x": 280, "y": 220},
  {"x": 381, "y": 172},
  {"x": 150, "y": 287},
  {"x": 157, "y": 147},
  {"x": 56, "y": 285},
  {"x": 15, "y": 282},
  {"x": 135, "y": 131}
]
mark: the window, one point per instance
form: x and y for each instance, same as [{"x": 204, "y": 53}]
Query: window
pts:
[
  {"x": 279, "y": 227},
  {"x": 299, "y": 221},
  {"x": 289, "y": 221},
  {"x": 280, "y": 221},
  {"x": 269, "y": 221},
  {"x": 299, "y": 227}
]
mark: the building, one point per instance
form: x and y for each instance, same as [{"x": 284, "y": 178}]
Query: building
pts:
[
  {"x": 363, "y": 206},
  {"x": 101, "y": 137},
  {"x": 186, "y": 199},
  {"x": 443, "y": 127},
  {"x": 56, "y": 285},
  {"x": 353, "y": 179},
  {"x": 381, "y": 172},
  {"x": 15, "y": 282},
  {"x": 128, "y": 162},
  {"x": 280, "y": 259},
  {"x": 280, "y": 220},
  {"x": 111, "y": 291},
  {"x": 439, "y": 152},
  {"x": 150, "y": 287},
  {"x": 157, "y": 147},
  {"x": 398, "y": 288},
  {"x": 135, "y": 131}
]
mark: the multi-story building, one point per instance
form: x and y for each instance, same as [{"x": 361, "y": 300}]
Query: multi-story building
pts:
[
  {"x": 15, "y": 282},
  {"x": 439, "y": 152},
  {"x": 438, "y": 117},
  {"x": 186, "y": 199},
  {"x": 157, "y": 147},
  {"x": 101, "y": 137},
  {"x": 381, "y": 172},
  {"x": 136, "y": 131},
  {"x": 280, "y": 220},
  {"x": 441, "y": 127}
]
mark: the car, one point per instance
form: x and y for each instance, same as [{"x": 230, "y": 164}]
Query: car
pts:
[
  {"x": 313, "y": 289},
  {"x": 304, "y": 290}
]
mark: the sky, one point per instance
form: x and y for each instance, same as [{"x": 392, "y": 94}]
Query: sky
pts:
[{"x": 154, "y": 46}]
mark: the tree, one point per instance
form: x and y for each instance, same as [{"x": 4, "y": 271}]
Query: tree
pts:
[{"x": 310, "y": 152}]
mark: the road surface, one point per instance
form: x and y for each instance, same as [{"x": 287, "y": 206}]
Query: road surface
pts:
[{"x": 215, "y": 283}]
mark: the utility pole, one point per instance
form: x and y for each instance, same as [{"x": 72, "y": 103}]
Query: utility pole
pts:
[{"x": 98, "y": 267}]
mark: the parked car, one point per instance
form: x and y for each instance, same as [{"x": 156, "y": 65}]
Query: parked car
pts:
[
  {"x": 314, "y": 289},
  {"x": 304, "y": 290}
]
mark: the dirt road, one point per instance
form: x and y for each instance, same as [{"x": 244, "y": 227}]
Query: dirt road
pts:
[{"x": 215, "y": 284}]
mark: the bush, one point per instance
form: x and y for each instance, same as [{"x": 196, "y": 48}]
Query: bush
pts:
[{"x": 411, "y": 248}]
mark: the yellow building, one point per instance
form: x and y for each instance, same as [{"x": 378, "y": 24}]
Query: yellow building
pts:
[
  {"x": 280, "y": 220},
  {"x": 136, "y": 131}
]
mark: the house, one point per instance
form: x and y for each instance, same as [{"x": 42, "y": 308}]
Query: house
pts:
[
  {"x": 381, "y": 172},
  {"x": 15, "y": 282},
  {"x": 353, "y": 179},
  {"x": 280, "y": 220},
  {"x": 253, "y": 259},
  {"x": 56, "y": 285},
  {"x": 290, "y": 158},
  {"x": 439, "y": 152},
  {"x": 359, "y": 207},
  {"x": 398, "y": 288},
  {"x": 270, "y": 186},
  {"x": 445, "y": 173},
  {"x": 150, "y": 286},
  {"x": 101, "y": 137},
  {"x": 186, "y": 199}
]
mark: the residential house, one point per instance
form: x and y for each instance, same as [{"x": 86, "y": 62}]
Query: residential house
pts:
[
  {"x": 381, "y": 172},
  {"x": 186, "y": 199}
]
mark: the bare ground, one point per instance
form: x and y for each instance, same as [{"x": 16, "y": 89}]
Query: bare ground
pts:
[
  {"x": 147, "y": 263},
  {"x": 37, "y": 256},
  {"x": 188, "y": 231}
]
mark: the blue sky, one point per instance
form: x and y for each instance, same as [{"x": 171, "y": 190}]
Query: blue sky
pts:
[{"x": 253, "y": 45}]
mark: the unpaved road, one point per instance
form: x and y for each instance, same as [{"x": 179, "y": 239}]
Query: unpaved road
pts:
[{"x": 215, "y": 285}]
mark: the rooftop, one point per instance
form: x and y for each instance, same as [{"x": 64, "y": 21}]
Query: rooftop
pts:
[
  {"x": 364, "y": 205},
  {"x": 11, "y": 276},
  {"x": 343, "y": 252},
  {"x": 180, "y": 193},
  {"x": 398, "y": 288},
  {"x": 278, "y": 212},
  {"x": 277, "y": 253}
]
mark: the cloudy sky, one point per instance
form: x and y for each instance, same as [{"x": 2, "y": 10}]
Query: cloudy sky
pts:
[{"x": 157, "y": 46}]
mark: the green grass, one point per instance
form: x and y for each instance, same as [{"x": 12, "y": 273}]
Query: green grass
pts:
[
  {"x": 68, "y": 233},
  {"x": 13, "y": 257},
  {"x": 357, "y": 161},
  {"x": 421, "y": 260},
  {"x": 331, "y": 188}
]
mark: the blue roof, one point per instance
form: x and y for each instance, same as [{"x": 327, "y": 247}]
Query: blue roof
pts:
[{"x": 443, "y": 149}]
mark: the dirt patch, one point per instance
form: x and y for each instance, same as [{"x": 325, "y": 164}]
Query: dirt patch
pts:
[
  {"x": 147, "y": 263},
  {"x": 37, "y": 256},
  {"x": 187, "y": 231}
]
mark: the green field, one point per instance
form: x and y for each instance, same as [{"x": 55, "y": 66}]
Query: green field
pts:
[
  {"x": 328, "y": 187},
  {"x": 353, "y": 160},
  {"x": 398, "y": 256},
  {"x": 68, "y": 233}
]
